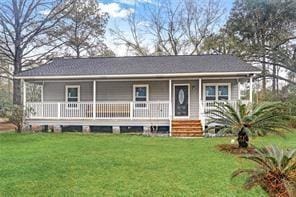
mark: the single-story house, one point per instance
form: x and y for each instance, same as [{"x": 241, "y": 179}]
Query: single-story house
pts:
[{"x": 143, "y": 92}]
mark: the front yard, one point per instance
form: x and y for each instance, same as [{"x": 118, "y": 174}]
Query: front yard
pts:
[{"x": 82, "y": 164}]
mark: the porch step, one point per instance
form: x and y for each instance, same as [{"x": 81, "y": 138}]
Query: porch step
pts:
[
  {"x": 186, "y": 124},
  {"x": 180, "y": 129},
  {"x": 187, "y": 134},
  {"x": 187, "y": 128}
]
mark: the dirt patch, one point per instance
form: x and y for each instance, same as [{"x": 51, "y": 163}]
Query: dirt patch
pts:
[
  {"x": 234, "y": 149},
  {"x": 6, "y": 126}
]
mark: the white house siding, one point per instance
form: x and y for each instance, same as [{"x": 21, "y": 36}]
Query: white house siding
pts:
[
  {"x": 123, "y": 91},
  {"x": 55, "y": 91},
  {"x": 106, "y": 91}
]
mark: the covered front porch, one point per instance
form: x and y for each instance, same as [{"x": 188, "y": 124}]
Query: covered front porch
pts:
[{"x": 131, "y": 101}]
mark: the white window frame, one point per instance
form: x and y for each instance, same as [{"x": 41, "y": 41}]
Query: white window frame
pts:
[
  {"x": 174, "y": 100},
  {"x": 134, "y": 94},
  {"x": 216, "y": 93},
  {"x": 66, "y": 95}
]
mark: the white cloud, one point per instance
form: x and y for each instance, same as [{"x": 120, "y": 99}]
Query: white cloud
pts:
[
  {"x": 115, "y": 10},
  {"x": 45, "y": 12},
  {"x": 144, "y": 23},
  {"x": 132, "y": 2}
]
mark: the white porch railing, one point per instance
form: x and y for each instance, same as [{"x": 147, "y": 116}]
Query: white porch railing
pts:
[
  {"x": 113, "y": 110},
  {"x": 103, "y": 110},
  {"x": 207, "y": 106}
]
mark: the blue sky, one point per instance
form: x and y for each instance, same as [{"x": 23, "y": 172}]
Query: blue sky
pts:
[{"x": 119, "y": 9}]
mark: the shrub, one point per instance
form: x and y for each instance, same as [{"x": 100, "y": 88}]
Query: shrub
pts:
[
  {"x": 256, "y": 119},
  {"x": 275, "y": 171},
  {"x": 16, "y": 115}
]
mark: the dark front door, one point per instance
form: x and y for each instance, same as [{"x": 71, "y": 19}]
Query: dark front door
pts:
[{"x": 181, "y": 100}]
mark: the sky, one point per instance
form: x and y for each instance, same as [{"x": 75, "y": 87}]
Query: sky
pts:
[{"x": 120, "y": 9}]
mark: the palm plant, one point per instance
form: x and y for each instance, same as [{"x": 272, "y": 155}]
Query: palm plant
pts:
[
  {"x": 257, "y": 119},
  {"x": 275, "y": 171}
]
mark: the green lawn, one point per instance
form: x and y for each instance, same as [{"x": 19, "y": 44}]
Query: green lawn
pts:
[{"x": 124, "y": 165}]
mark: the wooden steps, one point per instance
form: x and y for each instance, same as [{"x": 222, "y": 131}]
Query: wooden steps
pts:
[{"x": 187, "y": 128}]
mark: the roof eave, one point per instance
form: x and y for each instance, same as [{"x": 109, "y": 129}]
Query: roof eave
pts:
[{"x": 140, "y": 75}]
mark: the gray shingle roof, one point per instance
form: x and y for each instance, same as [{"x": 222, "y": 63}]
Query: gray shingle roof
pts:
[{"x": 140, "y": 65}]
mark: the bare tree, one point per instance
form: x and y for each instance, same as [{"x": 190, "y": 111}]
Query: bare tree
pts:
[
  {"x": 23, "y": 27},
  {"x": 171, "y": 27},
  {"x": 83, "y": 28},
  {"x": 133, "y": 41}
]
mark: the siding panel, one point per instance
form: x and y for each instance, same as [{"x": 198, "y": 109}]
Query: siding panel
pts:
[
  {"x": 123, "y": 91},
  {"x": 106, "y": 91},
  {"x": 55, "y": 91}
]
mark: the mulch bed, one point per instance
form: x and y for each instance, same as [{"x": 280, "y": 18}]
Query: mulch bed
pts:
[
  {"x": 5, "y": 125},
  {"x": 234, "y": 149}
]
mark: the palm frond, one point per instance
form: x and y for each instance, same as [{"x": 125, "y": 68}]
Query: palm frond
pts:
[{"x": 274, "y": 161}]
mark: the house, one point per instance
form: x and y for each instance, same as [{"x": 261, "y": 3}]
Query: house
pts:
[{"x": 171, "y": 92}]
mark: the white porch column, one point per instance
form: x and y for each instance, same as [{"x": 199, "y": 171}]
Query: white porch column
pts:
[
  {"x": 200, "y": 109},
  {"x": 42, "y": 98},
  {"x": 251, "y": 88},
  {"x": 238, "y": 89},
  {"x": 94, "y": 98},
  {"x": 170, "y": 106},
  {"x": 200, "y": 98},
  {"x": 199, "y": 90}
]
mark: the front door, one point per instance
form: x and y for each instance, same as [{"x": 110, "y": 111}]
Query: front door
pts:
[{"x": 181, "y": 102}]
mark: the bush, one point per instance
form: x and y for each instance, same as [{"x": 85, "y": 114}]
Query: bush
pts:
[
  {"x": 275, "y": 171},
  {"x": 16, "y": 115}
]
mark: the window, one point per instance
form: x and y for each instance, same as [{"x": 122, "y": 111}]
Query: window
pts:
[
  {"x": 72, "y": 95},
  {"x": 215, "y": 92},
  {"x": 223, "y": 92},
  {"x": 141, "y": 94},
  {"x": 210, "y": 93}
]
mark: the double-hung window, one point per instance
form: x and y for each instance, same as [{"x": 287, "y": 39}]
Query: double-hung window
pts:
[
  {"x": 210, "y": 92},
  {"x": 216, "y": 92},
  {"x": 223, "y": 92},
  {"x": 141, "y": 95},
  {"x": 72, "y": 95}
]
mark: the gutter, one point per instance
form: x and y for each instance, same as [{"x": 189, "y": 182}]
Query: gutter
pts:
[{"x": 138, "y": 75}]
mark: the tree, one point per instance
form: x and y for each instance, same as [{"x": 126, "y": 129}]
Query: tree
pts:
[
  {"x": 170, "y": 27},
  {"x": 275, "y": 171},
  {"x": 23, "y": 27},
  {"x": 257, "y": 119},
  {"x": 261, "y": 32},
  {"x": 16, "y": 115},
  {"x": 82, "y": 29}
]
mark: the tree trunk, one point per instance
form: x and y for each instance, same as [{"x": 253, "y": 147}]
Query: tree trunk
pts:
[
  {"x": 263, "y": 77},
  {"x": 277, "y": 80},
  {"x": 17, "y": 97},
  {"x": 77, "y": 52},
  {"x": 17, "y": 65},
  {"x": 17, "y": 89},
  {"x": 242, "y": 139},
  {"x": 274, "y": 80},
  {"x": 263, "y": 65}
]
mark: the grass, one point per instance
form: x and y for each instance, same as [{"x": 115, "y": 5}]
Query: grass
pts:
[{"x": 120, "y": 165}]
